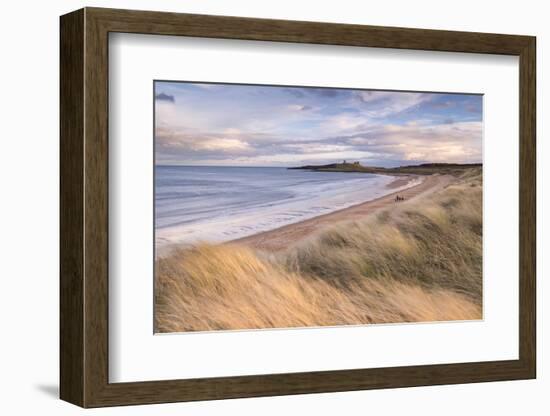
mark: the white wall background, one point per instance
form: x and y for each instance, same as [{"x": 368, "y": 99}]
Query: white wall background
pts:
[{"x": 29, "y": 206}]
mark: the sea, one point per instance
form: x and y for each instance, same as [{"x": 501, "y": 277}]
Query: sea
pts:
[{"x": 218, "y": 204}]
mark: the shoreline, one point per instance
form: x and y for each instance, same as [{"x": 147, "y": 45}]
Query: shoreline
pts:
[
  {"x": 399, "y": 183},
  {"x": 283, "y": 237},
  {"x": 402, "y": 180}
]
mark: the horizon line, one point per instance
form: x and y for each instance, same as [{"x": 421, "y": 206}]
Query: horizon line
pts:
[{"x": 271, "y": 166}]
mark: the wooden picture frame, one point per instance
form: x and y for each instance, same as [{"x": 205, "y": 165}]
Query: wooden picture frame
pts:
[{"x": 84, "y": 207}]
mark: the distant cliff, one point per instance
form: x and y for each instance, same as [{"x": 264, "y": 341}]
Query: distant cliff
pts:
[{"x": 422, "y": 169}]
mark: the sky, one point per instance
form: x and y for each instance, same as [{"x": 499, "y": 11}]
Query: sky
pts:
[{"x": 253, "y": 125}]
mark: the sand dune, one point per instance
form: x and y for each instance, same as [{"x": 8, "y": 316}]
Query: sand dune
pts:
[{"x": 420, "y": 260}]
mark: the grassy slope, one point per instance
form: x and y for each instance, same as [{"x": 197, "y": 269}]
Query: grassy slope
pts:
[{"x": 420, "y": 261}]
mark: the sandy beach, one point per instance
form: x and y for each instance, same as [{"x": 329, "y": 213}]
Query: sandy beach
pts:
[{"x": 283, "y": 237}]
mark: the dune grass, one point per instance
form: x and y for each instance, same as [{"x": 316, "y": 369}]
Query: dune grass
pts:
[{"x": 419, "y": 261}]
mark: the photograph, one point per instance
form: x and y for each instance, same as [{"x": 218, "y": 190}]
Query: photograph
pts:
[{"x": 280, "y": 206}]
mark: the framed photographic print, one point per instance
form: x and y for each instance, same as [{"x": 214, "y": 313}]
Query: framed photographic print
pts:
[{"x": 255, "y": 207}]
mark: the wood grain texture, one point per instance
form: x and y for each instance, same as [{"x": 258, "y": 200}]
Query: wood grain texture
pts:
[
  {"x": 71, "y": 208},
  {"x": 527, "y": 208},
  {"x": 162, "y": 23},
  {"x": 96, "y": 207},
  {"x": 84, "y": 207}
]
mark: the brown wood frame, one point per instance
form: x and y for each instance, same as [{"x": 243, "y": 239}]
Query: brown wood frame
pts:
[{"x": 84, "y": 207}]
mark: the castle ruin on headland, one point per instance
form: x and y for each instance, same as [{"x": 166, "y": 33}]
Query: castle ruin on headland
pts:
[{"x": 353, "y": 163}]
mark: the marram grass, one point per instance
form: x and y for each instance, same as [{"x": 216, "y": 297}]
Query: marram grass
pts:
[{"x": 416, "y": 262}]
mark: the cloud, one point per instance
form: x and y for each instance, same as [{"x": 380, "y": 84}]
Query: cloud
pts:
[
  {"x": 232, "y": 131},
  {"x": 222, "y": 144},
  {"x": 165, "y": 97},
  {"x": 324, "y": 92},
  {"x": 409, "y": 143},
  {"x": 378, "y": 104},
  {"x": 344, "y": 123},
  {"x": 298, "y": 107},
  {"x": 207, "y": 86},
  {"x": 259, "y": 125},
  {"x": 300, "y": 158},
  {"x": 457, "y": 142},
  {"x": 180, "y": 142},
  {"x": 360, "y": 141},
  {"x": 294, "y": 92},
  {"x": 473, "y": 108},
  {"x": 315, "y": 148}
]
